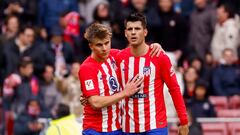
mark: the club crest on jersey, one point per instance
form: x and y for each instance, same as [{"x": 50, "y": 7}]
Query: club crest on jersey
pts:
[
  {"x": 113, "y": 84},
  {"x": 146, "y": 71}
]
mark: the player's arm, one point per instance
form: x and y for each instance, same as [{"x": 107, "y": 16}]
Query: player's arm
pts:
[
  {"x": 156, "y": 49},
  {"x": 169, "y": 77},
  {"x": 131, "y": 88},
  {"x": 90, "y": 89}
]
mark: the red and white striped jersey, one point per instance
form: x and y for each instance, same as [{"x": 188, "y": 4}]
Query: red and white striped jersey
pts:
[
  {"x": 100, "y": 79},
  {"x": 145, "y": 110}
]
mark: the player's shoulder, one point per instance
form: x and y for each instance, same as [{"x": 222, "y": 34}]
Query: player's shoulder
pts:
[
  {"x": 162, "y": 56},
  {"x": 123, "y": 52},
  {"x": 88, "y": 64}
]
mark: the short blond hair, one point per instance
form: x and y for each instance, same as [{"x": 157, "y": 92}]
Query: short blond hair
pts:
[{"x": 97, "y": 31}]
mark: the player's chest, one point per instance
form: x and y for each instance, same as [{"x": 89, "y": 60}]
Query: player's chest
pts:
[{"x": 142, "y": 66}]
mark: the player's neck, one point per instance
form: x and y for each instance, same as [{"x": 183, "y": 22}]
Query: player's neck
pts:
[
  {"x": 139, "y": 50},
  {"x": 96, "y": 58}
]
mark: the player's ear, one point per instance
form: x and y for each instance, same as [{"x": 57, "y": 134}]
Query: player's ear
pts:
[
  {"x": 125, "y": 32},
  {"x": 145, "y": 32},
  {"x": 90, "y": 46}
]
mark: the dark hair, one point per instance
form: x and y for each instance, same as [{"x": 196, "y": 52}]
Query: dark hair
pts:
[
  {"x": 201, "y": 84},
  {"x": 63, "y": 110},
  {"x": 25, "y": 61},
  {"x": 23, "y": 28},
  {"x": 229, "y": 8},
  {"x": 31, "y": 99},
  {"x": 9, "y": 17},
  {"x": 134, "y": 17},
  {"x": 95, "y": 12}
]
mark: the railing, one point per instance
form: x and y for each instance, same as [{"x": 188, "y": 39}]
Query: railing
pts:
[{"x": 208, "y": 120}]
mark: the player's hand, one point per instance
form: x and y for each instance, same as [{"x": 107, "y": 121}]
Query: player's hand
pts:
[
  {"x": 156, "y": 48},
  {"x": 133, "y": 86},
  {"x": 183, "y": 130},
  {"x": 83, "y": 100}
]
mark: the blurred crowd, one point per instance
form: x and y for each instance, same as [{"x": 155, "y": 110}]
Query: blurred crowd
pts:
[{"x": 42, "y": 47}]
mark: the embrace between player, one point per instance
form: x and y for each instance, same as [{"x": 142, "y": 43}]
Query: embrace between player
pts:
[{"x": 137, "y": 108}]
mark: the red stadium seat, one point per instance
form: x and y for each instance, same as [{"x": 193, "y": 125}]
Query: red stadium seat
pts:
[
  {"x": 228, "y": 113},
  {"x": 234, "y": 128},
  {"x": 214, "y": 129},
  {"x": 219, "y": 102},
  {"x": 234, "y": 102}
]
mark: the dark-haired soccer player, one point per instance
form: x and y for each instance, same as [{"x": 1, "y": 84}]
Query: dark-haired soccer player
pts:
[{"x": 144, "y": 113}]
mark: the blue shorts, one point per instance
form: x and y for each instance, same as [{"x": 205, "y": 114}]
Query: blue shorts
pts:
[
  {"x": 158, "y": 131},
  {"x": 93, "y": 132}
]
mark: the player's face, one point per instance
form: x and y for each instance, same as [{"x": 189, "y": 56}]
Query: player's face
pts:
[
  {"x": 101, "y": 48},
  {"x": 135, "y": 33}
]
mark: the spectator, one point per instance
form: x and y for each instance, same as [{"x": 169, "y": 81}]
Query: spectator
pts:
[
  {"x": 173, "y": 31},
  {"x": 190, "y": 78},
  {"x": 26, "y": 10},
  {"x": 65, "y": 124},
  {"x": 24, "y": 45},
  {"x": 41, "y": 35},
  {"x": 226, "y": 76},
  {"x": 209, "y": 66},
  {"x": 28, "y": 122},
  {"x": 72, "y": 91},
  {"x": 11, "y": 29},
  {"x": 194, "y": 126},
  {"x": 202, "y": 22},
  {"x": 18, "y": 90},
  {"x": 199, "y": 65},
  {"x": 60, "y": 51},
  {"x": 101, "y": 13},
  {"x": 50, "y": 11},
  {"x": 226, "y": 34},
  {"x": 70, "y": 22},
  {"x": 52, "y": 96},
  {"x": 87, "y": 8},
  {"x": 199, "y": 104}
]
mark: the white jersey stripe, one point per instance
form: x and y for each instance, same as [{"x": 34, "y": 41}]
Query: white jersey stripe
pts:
[
  {"x": 130, "y": 102},
  {"x": 122, "y": 73},
  {"x": 123, "y": 101},
  {"x": 141, "y": 112},
  {"x": 104, "y": 110},
  {"x": 100, "y": 83},
  {"x": 114, "y": 114},
  {"x": 152, "y": 97}
]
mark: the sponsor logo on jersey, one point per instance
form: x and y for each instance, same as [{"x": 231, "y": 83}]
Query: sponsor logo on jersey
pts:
[
  {"x": 89, "y": 84},
  {"x": 139, "y": 95},
  {"x": 113, "y": 84}
]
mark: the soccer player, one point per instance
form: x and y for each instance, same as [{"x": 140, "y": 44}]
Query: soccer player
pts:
[
  {"x": 144, "y": 113},
  {"x": 99, "y": 84}
]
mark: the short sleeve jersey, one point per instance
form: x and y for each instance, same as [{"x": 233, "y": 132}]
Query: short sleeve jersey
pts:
[{"x": 100, "y": 78}]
